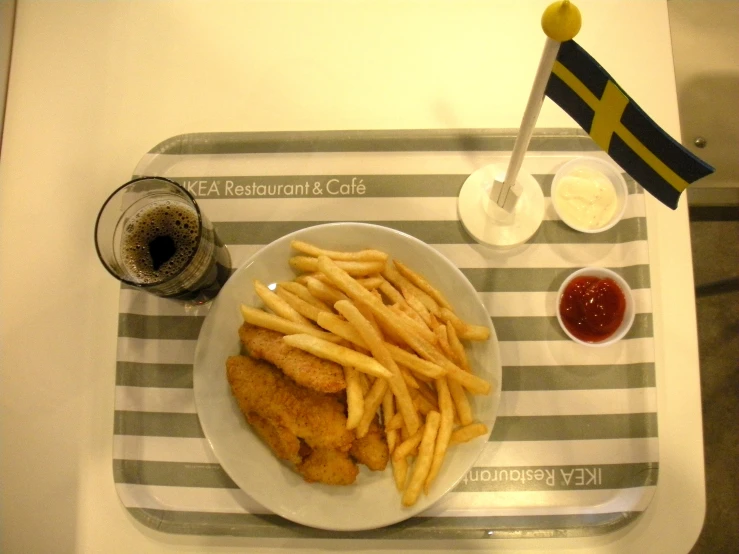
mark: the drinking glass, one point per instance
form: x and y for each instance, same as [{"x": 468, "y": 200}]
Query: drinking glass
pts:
[{"x": 152, "y": 235}]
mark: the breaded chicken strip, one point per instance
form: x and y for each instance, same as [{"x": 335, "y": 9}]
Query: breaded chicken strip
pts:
[
  {"x": 371, "y": 450},
  {"x": 318, "y": 419},
  {"x": 283, "y": 443},
  {"x": 304, "y": 368},
  {"x": 328, "y": 466}
]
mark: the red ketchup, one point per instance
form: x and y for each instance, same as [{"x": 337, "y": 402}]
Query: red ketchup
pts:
[{"x": 592, "y": 308}]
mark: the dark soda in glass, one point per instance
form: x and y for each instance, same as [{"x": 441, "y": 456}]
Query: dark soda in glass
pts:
[{"x": 151, "y": 235}]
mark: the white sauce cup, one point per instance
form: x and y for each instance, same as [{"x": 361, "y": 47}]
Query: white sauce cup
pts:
[{"x": 612, "y": 173}]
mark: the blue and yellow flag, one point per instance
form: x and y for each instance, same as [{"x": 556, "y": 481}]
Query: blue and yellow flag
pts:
[{"x": 619, "y": 126}]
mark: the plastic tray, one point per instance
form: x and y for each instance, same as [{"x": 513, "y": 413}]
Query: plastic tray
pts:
[{"x": 574, "y": 450}]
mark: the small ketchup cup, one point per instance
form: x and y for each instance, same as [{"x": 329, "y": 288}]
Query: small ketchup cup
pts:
[{"x": 594, "y": 305}]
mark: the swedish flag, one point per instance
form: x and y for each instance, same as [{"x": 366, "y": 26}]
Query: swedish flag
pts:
[{"x": 619, "y": 126}]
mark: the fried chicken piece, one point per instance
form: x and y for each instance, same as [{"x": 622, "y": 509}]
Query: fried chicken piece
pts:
[
  {"x": 304, "y": 368},
  {"x": 318, "y": 419},
  {"x": 371, "y": 450},
  {"x": 328, "y": 466},
  {"x": 283, "y": 443}
]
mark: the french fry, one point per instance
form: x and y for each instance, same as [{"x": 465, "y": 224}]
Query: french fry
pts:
[
  {"x": 370, "y": 283},
  {"x": 404, "y": 434},
  {"x": 354, "y": 398},
  {"x": 305, "y": 309},
  {"x": 454, "y": 409},
  {"x": 302, "y": 292},
  {"x": 260, "y": 318},
  {"x": 339, "y": 354},
  {"x": 471, "y": 382},
  {"x": 367, "y": 313},
  {"x": 343, "y": 328},
  {"x": 410, "y": 381},
  {"x": 388, "y": 412},
  {"x": 278, "y": 305},
  {"x": 364, "y": 383},
  {"x": 434, "y": 322},
  {"x": 392, "y": 275},
  {"x": 465, "y": 331},
  {"x": 418, "y": 327},
  {"x": 394, "y": 423},
  {"x": 388, "y": 332},
  {"x": 414, "y": 301},
  {"x": 422, "y": 464},
  {"x": 409, "y": 289},
  {"x": 467, "y": 433},
  {"x": 441, "y": 335},
  {"x": 357, "y": 269},
  {"x": 324, "y": 292},
  {"x": 368, "y": 255},
  {"x": 359, "y": 349},
  {"x": 392, "y": 440},
  {"x": 421, "y": 404},
  {"x": 419, "y": 377},
  {"x": 400, "y": 472},
  {"x": 303, "y": 279},
  {"x": 457, "y": 348},
  {"x": 419, "y": 281},
  {"x": 405, "y": 448},
  {"x": 374, "y": 342},
  {"x": 418, "y": 365},
  {"x": 430, "y": 396},
  {"x": 432, "y": 370},
  {"x": 446, "y": 424},
  {"x": 464, "y": 411},
  {"x": 372, "y": 402},
  {"x": 392, "y": 293},
  {"x": 318, "y": 275},
  {"x": 410, "y": 312},
  {"x": 412, "y": 296}
]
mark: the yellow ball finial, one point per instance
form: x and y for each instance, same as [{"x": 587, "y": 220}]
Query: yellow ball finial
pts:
[{"x": 561, "y": 21}]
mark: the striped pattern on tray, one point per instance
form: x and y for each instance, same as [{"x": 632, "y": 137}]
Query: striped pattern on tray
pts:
[{"x": 574, "y": 450}]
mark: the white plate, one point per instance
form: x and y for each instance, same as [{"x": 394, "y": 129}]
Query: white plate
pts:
[{"x": 373, "y": 500}]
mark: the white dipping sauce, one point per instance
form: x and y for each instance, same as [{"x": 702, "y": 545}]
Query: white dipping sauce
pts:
[{"x": 586, "y": 198}]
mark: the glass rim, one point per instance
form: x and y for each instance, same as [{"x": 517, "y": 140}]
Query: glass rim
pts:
[{"x": 191, "y": 257}]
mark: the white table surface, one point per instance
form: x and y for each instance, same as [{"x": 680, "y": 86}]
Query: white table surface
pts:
[{"x": 94, "y": 85}]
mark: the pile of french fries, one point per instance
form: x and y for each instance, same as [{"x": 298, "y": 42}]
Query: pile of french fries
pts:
[{"x": 400, "y": 344}]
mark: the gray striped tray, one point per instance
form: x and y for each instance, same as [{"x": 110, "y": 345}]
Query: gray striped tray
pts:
[{"x": 574, "y": 450}]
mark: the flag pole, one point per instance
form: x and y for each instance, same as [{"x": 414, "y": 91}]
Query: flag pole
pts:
[
  {"x": 560, "y": 22},
  {"x": 504, "y": 193},
  {"x": 505, "y": 207}
]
